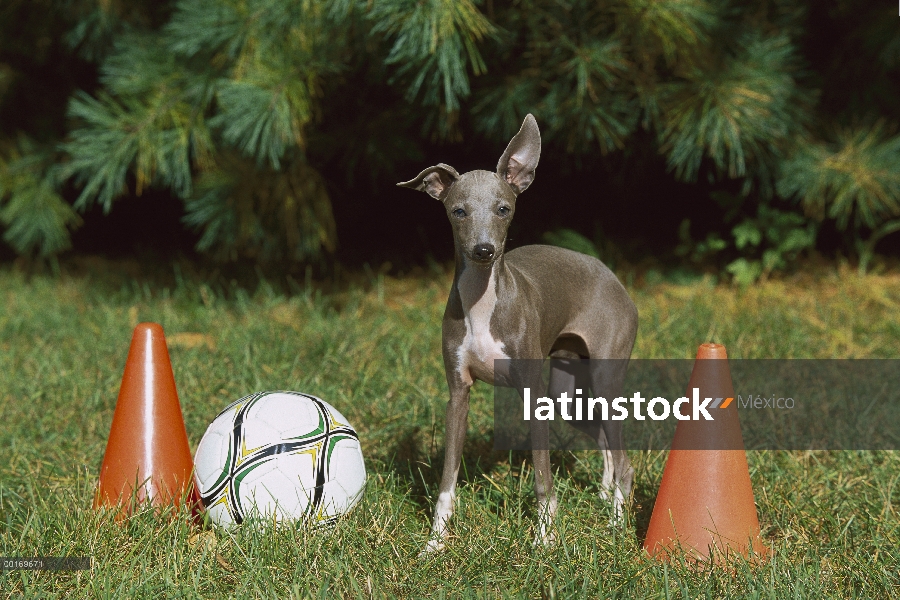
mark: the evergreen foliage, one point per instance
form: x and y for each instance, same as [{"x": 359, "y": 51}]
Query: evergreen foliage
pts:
[
  {"x": 221, "y": 102},
  {"x": 742, "y": 112},
  {"x": 36, "y": 217},
  {"x": 853, "y": 180},
  {"x": 435, "y": 43}
]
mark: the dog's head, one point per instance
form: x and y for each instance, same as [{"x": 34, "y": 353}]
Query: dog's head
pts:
[{"x": 481, "y": 204}]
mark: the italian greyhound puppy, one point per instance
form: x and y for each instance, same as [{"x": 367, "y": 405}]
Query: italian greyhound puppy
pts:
[{"x": 528, "y": 303}]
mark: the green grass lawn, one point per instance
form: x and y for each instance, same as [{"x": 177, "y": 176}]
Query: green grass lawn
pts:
[{"x": 372, "y": 349}]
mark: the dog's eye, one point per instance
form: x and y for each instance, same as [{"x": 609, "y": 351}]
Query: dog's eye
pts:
[
  {"x": 503, "y": 211},
  {"x": 458, "y": 213}
]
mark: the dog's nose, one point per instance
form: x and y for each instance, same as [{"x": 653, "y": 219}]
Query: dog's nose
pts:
[{"x": 484, "y": 252}]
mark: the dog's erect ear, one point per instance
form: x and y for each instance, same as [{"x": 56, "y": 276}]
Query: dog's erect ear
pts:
[
  {"x": 518, "y": 163},
  {"x": 435, "y": 181}
]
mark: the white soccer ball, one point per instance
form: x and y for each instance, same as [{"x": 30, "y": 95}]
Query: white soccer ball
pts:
[{"x": 283, "y": 456}]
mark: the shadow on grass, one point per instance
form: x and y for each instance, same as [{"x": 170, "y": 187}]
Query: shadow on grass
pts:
[
  {"x": 417, "y": 463},
  {"x": 643, "y": 500}
]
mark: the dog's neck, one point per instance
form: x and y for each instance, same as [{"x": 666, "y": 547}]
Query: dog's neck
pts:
[{"x": 476, "y": 281}]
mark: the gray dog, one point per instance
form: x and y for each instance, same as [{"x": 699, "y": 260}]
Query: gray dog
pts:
[{"x": 529, "y": 303}]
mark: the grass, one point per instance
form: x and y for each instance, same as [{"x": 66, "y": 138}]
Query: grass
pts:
[{"x": 372, "y": 349}]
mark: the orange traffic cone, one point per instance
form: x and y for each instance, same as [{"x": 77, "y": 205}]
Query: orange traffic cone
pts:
[
  {"x": 705, "y": 503},
  {"x": 147, "y": 456}
]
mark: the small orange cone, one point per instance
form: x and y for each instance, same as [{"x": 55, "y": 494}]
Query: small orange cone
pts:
[
  {"x": 705, "y": 502},
  {"x": 147, "y": 457}
]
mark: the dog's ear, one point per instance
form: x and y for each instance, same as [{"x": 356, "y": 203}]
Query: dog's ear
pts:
[
  {"x": 434, "y": 181},
  {"x": 518, "y": 163}
]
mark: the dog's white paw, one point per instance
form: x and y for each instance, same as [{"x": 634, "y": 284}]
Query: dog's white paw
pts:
[
  {"x": 617, "y": 518},
  {"x": 616, "y": 498},
  {"x": 545, "y": 535},
  {"x": 545, "y": 540},
  {"x": 616, "y": 521},
  {"x": 433, "y": 546},
  {"x": 605, "y": 494}
]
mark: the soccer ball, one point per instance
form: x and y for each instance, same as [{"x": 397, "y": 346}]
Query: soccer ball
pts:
[{"x": 279, "y": 456}]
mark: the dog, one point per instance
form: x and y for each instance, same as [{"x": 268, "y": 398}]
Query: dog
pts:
[{"x": 528, "y": 303}]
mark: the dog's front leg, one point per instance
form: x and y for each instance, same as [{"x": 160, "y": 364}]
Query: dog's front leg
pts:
[
  {"x": 457, "y": 421},
  {"x": 543, "y": 482},
  {"x": 527, "y": 374}
]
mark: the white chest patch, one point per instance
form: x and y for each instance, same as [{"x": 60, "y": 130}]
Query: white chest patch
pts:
[{"x": 479, "y": 349}]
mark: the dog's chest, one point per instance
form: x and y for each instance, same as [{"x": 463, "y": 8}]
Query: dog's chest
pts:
[{"x": 479, "y": 349}]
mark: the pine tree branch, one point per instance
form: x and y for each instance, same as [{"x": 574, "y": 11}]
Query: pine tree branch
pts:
[
  {"x": 435, "y": 44},
  {"x": 854, "y": 180},
  {"x": 36, "y": 217}
]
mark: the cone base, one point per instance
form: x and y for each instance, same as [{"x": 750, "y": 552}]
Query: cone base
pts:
[
  {"x": 148, "y": 459},
  {"x": 136, "y": 498},
  {"x": 705, "y": 512},
  {"x": 719, "y": 552}
]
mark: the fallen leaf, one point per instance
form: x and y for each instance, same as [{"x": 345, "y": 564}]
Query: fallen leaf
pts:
[
  {"x": 191, "y": 340},
  {"x": 225, "y": 564},
  {"x": 204, "y": 538}
]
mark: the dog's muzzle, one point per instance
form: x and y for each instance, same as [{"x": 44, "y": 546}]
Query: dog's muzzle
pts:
[{"x": 483, "y": 252}]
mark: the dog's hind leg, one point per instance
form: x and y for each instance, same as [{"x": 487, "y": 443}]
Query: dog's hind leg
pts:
[
  {"x": 527, "y": 374},
  {"x": 607, "y": 378},
  {"x": 570, "y": 373}
]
